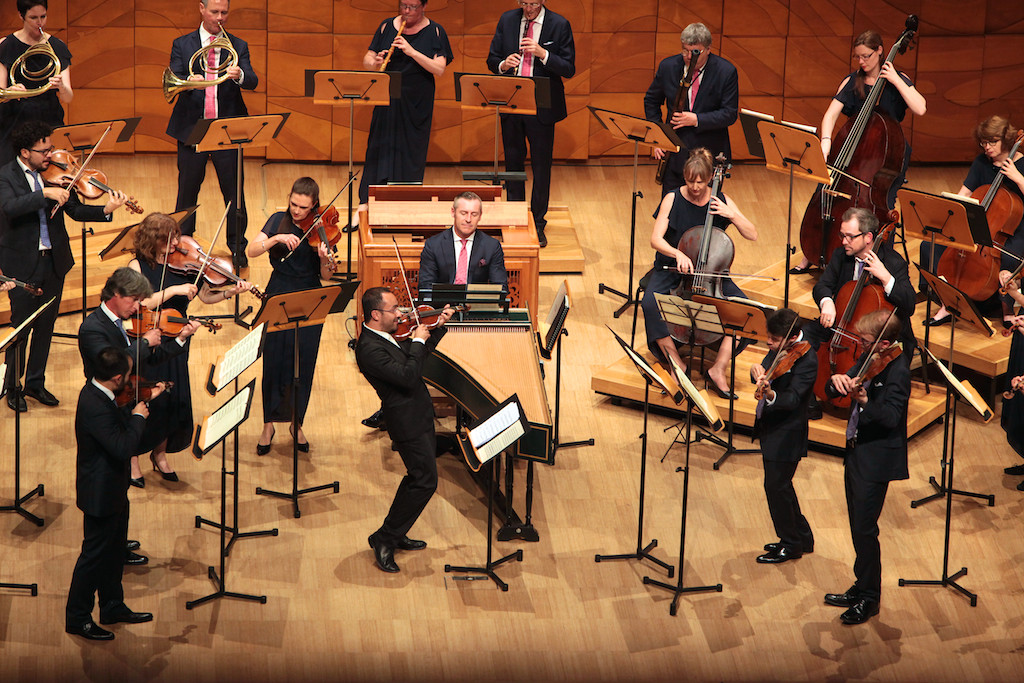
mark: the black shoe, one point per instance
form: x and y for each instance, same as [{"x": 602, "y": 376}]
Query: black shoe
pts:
[
  {"x": 167, "y": 476},
  {"x": 301, "y": 446},
  {"x": 1016, "y": 470},
  {"x": 125, "y": 616},
  {"x": 43, "y": 396},
  {"x": 132, "y": 545},
  {"x": 859, "y": 612},
  {"x": 263, "y": 449},
  {"x": 847, "y": 599},
  {"x": 376, "y": 421},
  {"x": 542, "y": 239},
  {"x": 779, "y": 555},
  {"x": 137, "y": 482},
  {"x": 240, "y": 260},
  {"x": 797, "y": 270},
  {"x": 1020, "y": 486},
  {"x": 814, "y": 411},
  {"x": 935, "y": 322},
  {"x": 714, "y": 387},
  {"x": 807, "y": 550},
  {"x": 410, "y": 544},
  {"x": 135, "y": 560},
  {"x": 89, "y": 630},
  {"x": 18, "y": 403},
  {"x": 384, "y": 554}
]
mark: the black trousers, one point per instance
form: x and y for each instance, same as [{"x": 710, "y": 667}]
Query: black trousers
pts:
[
  {"x": 864, "y": 502},
  {"x": 23, "y": 304},
  {"x": 516, "y": 131},
  {"x": 790, "y": 524},
  {"x": 192, "y": 173},
  {"x": 99, "y": 568},
  {"x": 417, "y": 486}
]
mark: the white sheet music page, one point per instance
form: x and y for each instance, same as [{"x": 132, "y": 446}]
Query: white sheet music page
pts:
[{"x": 239, "y": 357}]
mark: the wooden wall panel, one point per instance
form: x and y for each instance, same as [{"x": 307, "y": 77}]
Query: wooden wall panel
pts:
[
  {"x": 112, "y": 103},
  {"x": 601, "y": 141},
  {"x": 755, "y": 17},
  {"x": 306, "y": 135},
  {"x": 767, "y": 105},
  {"x": 98, "y": 13},
  {"x": 760, "y": 63},
  {"x": 615, "y": 16},
  {"x": 820, "y": 17},
  {"x": 301, "y": 16},
  {"x": 154, "y": 110},
  {"x": 815, "y": 66},
  {"x": 885, "y": 16},
  {"x": 616, "y": 65},
  {"x": 953, "y": 18},
  {"x": 572, "y": 137},
  {"x": 1003, "y": 75},
  {"x": 947, "y": 77},
  {"x": 288, "y": 57},
  {"x": 446, "y": 133},
  {"x": 1004, "y": 17},
  {"x": 673, "y": 17},
  {"x": 102, "y": 58}
]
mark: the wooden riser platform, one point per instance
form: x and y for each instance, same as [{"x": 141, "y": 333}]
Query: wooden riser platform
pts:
[
  {"x": 563, "y": 253},
  {"x": 621, "y": 380}
]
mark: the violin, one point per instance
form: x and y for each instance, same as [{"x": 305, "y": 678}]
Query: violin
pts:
[
  {"x": 423, "y": 315},
  {"x": 876, "y": 362},
  {"x": 167, "y": 320},
  {"x": 783, "y": 363},
  {"x": 91, "y": 183},
  {"x": 1016, "y": 387},
  {"x": 138, "y": 389},
  {"x": 188, "y": 258},
  {"x": 30, "y": 288}
]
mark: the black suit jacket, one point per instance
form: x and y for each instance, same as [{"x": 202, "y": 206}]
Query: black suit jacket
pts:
[
  {"x": 98, "y": 332},
  {"x": 107, "y": 438},
  {"x": 556, "y": 38},
  {"x": 19, "y": 234},
  {"x": 783, "y": 425},
  {"x": 189, "y": 106},
  {"x": 840, "y": 270},
  {"x": 396, "y": 374},
  {"x": 716, "y": 105},
  {"x": 486, "y": 260}
]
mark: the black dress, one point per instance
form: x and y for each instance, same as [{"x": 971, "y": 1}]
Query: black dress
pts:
[
  {"x": 46, "y": 107},
  {"x": 1012, "y": 419},
  {"x": 301, "y": 271},
  {"x": 400, "y": 133},
  {"x": 170, "y": 415}
]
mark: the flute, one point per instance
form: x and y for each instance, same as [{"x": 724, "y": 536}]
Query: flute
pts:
[{"x": 391, "y": 50}]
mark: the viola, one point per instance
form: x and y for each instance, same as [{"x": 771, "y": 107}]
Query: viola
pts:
[
  {"x": 167, "y": 320},
  {"x": 91, "y": 183},
  {"x": 190, "y": 259},
  {"x": 138, "y": 389},
  {"x": 30, "y": 288},
  {"x": 876, "y": 362},
  {"x": 324, "y": 226},
  {"x": 864, "y": 162},
  {"x": 783, "y": 363},
  {"x": 1016, "y": 387},
  {"x": 423, "y": 315}
]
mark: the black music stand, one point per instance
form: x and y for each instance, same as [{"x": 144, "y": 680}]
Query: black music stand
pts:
[
  {"x": 793, "y": 149},
  {"x": 226, "y": 370},
  {"x": 655, "y": 135},
  {"x": 508, "y": 95},
  {"x": 693, "y": 398},
  {"x": 214, "y": 430},
  {"x": 650, "y": 376},
  {"x": 239, "y": 133},
  {"x": 961, "y": 307},
  {"x": 294, "y": 310},
  {"x": 337, "y": 88},
  {"x": 124, "y": 242},
  {"x": 553, "y": 330},
  {"x": 16, "y": 339},
  {"x": 487, "y": 438},
  {"x": 957, "y": 391}
]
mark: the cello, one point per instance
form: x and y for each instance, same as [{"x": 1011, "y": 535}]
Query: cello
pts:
[
  {"x": 856, "y": 299},
  {"x": 869, "y": 159}
]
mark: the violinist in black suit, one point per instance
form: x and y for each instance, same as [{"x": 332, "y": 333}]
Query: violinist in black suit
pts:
[
  {"x": 782, "y": 429},
  {"x": 34, "y": 248},
  {"x": 106, "y": 436},
  {"x": 224, "y": 99},
  {"x": 715, "y": 95},
  {"x": 533, "y": 41},
  {"x": 395, "y": 370},
  {"x": 876, "y": 454}
]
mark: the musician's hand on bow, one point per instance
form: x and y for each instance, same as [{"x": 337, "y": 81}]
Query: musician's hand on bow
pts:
[
  {"x": 683, "y": 263},
  {"x": 756, "y": 373},
  {"x": 828, "y": 313},
  {"x": 141, "y": 408},
  {"x": 421, "y": 332},
  {"x": 116, "y": 201},
  {"x": 682, "y": 119},
  {"x": 287, "y": 239},
  {"x": 153, "y": 337},
  {"x": 844, "y": 384},
  {"x": 187, "y": 290},
  {"x": 56, "y": 194}
]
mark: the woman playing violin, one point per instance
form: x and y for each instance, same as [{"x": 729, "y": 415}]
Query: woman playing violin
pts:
[
  {"x": 303, "y": 269},
  {"x": 681, "y": 210},
  {"x": 1012, "y": 418},
  {"x": 171, "y": 430}
]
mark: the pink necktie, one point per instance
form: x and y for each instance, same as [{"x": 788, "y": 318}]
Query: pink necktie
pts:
[
  {"x": 527, "y": 69},
  {"x": 210, "y": 108},
  {"x": 693, "y": 88},
  {"x": 462, "y": 269}
]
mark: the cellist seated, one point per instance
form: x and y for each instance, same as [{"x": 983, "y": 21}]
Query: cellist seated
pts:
[{"x": 680, "y": 211}]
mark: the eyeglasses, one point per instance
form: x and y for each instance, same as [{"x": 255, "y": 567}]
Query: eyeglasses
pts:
[
  {"x": 44, "y": 152},
  {"x": 409, "y": 8},
  {"x": 530, "y": 5},
  {"x": 388, "y": 310},
  {"x": 991, "y": 142},
  {"x": 863, "y": 58},
  {"x": 849, "y": 238}
]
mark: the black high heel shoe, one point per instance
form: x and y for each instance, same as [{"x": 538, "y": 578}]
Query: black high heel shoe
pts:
[
  {"x": 714, "y": 387},
  {"x": 935, "y": 322},
  {"x": 303, "y": 447},
  {"x": 168, "y": 476},
  {"x": 263, "y": 449}
]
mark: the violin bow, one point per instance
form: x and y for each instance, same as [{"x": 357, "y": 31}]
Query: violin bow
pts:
[
  {"x": 408, "y": 289},
  {"x": 82, "y": 166},
  {"x": 319, "y": 219},
  {"x": 163, "y": 275},
  {"x": 871, "y": 351},
  {"x": 209, "y": 254},
  {"x": 779, "y": 355}
]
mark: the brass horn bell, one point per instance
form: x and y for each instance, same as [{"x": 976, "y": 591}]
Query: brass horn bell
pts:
[
  {"x": 20, "y": 68},
  {"x": 174, "y": 86}
]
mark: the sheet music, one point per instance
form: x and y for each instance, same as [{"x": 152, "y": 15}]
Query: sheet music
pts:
[
  {"x": 502, "y": 420},
  {"x": 239, "y": 357},
  {"x": 230, "y": 415},
  {"x": 556, "y": 316},
  {"x": 706, "y": 407},
  {"x": 499, "y": 431},
  {"x": 966, "y": 391}
]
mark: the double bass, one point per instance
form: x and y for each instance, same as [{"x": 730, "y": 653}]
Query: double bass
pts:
[{"x": 869, "y": 159}]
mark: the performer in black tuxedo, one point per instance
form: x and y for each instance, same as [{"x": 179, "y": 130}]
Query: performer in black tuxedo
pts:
[
  {"x": 34, "y": 248},
  {"x": 395, "y": 370},
  {"x": 715, "y": 94},
  {"x": 533, "y": 41},
  {"x": 876, "y": 454},
  {"x": 782, "y": 429},
  {"x": 106, "y": 438},
  {"x": 214, "y": 102}
]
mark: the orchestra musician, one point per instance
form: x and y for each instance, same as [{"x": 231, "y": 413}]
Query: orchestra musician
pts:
[
  {"x": 462, "y": 256},
  {"x": 304, "y": 269},
  {"x": 712, "y": 104},
  {"x": 682, "y": 210},
  {"x": 781, "y": 417},
  {"x": 395, "y": 370},
  {"x": 213, "y": 102},
  {"x": 170, "y": 429},
  {"x": 536, "y": 42},
  {"x": 34, "y": 247},
  {"x": 849, "y": 99},
  {"x": 876, "y": 454},
  {"x": 106, "y": 437},
  {"x": 396, "y": 149},
  {"x": 48, "y": 106},
  {"x": 995, "y": 137},
  {"x": 1012, "y": 417}
]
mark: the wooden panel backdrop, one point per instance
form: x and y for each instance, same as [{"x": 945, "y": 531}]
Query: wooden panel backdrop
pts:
[{"x": 791, "y": 55}]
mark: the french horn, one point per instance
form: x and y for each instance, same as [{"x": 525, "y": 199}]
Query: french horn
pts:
[
  {"x": 174, "y": 86},
  {"x": 20, "y": 68}
]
